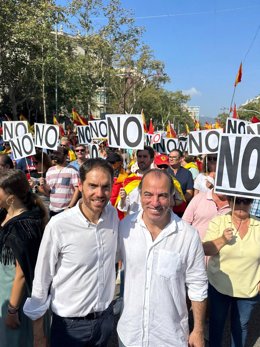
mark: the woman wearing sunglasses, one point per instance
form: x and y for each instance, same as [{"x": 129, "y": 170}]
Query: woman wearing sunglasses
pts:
[
  {"x": 233, "y": 242},
  {"x": 205, "y": 180}
]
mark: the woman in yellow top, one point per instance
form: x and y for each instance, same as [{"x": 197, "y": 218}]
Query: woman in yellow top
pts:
[{"x": 233, "y": 242}]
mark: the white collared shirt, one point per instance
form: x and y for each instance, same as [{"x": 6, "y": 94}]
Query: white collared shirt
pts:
[
  {"x": 156, "y": 274},
  {"x": 76, "y": 261}
]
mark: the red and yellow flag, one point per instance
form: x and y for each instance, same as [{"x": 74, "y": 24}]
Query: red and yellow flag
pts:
[
  {"x": 239, "y": 76},
  {"x": 144, "y": 122},
  {"x": 55, "y": 122},
  {"x": 207, "y": 126},
  {"x": 196, "y": 125},
  {"x": 170, "y": 132},
  {"x": 77, "y": 119},
  {"x": 187, "y": 128}
]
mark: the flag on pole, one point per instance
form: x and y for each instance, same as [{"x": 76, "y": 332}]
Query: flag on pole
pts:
[
  {"x": 207, "y": 126},
  {"x": 55, "y": 122},
  {"x": 239, "y": 76},
  {"x": 151, "y": 127},
  {"x": 218, "y": 125},
  {"x": 187, "y": 128},
  {"x": 170, "y": 132},
  {"x": 196, "y": 125},
  {"x": 77, "y": 119},
  {"x": 235, "y": 115},
  {"x": 144, "y": 122},
  {"x": 255, "y": 119}
]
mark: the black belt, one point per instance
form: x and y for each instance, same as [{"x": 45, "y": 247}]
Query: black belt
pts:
[{"x": 90, "y": 316}]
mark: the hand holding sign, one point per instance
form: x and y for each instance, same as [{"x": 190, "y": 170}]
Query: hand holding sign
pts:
[{"x": 228, "y": 235}]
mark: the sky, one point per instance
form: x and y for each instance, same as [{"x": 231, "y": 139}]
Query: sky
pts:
[{"x": 202, "y": 43}]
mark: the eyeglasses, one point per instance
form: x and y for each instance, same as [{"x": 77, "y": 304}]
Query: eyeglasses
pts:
[
  {"x": 80, "y": 150},
  {"x": 212, "y": 158},
  {"x": 170, "y": 157},
  {"x": 244, "y": 201},
  {"x": 63, "y": 145}
]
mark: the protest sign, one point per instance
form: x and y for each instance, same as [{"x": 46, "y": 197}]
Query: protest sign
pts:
[
  {"x": 203, "y": 141},
  {"x": 236, "y": 126},
  {"x": 125, "y": 131},
  {"x": 12, "y": 129},
  {"x": 22, "y": 146},
  {"x": 46, "y": 136},
  {"x": 84, "y": 135},
  {"x": 238, "y": 165},
  {"x": 98, "y": 129}
]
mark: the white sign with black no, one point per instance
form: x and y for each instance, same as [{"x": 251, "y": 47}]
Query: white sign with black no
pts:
[
  {"x": 238, "y": 165},
  {"x": 46, "y": 135},
  {"x": 22, "y": 146},
  {"x": 203, "y": 141},
  {"x": 125, "y": 131}
]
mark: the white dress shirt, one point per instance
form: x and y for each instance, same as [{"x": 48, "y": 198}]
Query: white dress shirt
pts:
[
  {"x": 156, "y": 276},
  {"x": 76, "y": 261}
]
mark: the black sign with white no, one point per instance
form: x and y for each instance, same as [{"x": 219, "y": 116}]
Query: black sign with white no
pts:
[{"x": 238, "y": 166}]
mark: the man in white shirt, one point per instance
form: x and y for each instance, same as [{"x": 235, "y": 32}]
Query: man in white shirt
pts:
[
  {"x": 75, "y": 269},
  {"x": 163, "y": 259}
]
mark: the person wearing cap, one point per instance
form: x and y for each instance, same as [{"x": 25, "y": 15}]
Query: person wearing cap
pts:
[{"x": 161, "y": 161}]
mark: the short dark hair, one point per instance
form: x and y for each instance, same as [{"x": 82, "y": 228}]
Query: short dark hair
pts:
[
  {"x": 6, "y": 161},
  {"x": 59, "y": 155},
  {"x": 178, "y": 151},
  {"x": 95, "y": 163},
  {"x": 159, "y": 174},
  {"x": 149, "y": 149}
]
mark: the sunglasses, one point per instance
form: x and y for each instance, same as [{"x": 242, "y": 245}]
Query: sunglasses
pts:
[
  {"x": 162, "y": 166},
  {"x": 244, "y": 201},
  {"x": 212, "y": 158},
  {"x": 80, "y": 150}
]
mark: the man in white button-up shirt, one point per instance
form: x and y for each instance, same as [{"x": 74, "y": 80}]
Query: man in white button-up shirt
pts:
[
  {"x": 75, "y": 269},
  {"x": 163, "y": 259}
]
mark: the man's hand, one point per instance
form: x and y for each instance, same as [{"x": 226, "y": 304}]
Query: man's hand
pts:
[
  {"x": 196, "y": 339},
  {"x": 12, "y": 321}
]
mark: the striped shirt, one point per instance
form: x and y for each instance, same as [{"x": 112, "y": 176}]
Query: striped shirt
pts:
[{"x": 62, "y": 183}]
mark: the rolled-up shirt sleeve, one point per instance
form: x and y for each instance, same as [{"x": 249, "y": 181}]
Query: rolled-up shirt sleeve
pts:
[
  {"x": 36, "y": 306},
  {"x": 196, "y": 276}
]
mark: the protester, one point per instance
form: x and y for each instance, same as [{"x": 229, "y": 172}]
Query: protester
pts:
[
  {"x": 80, "y": 151},
  {"x": 129, "y": 197},
  {"x": 61, "y": 183},
  {"x": 42, "y": 163},
  {"x": 203, "y": 208},
  {"x": 162, "y": 256},
  {"x": 205, "y": 181},
  {"x": 232, "y": 242},
  {"x": 188, "y": 162},
  {"x": 75, "y": 269},
  {"x": 6, "y": 162},
  {"x": 22, "y": 219},
  {"x": 64, "y": 142},
  {"x": 182, "y": 175}
]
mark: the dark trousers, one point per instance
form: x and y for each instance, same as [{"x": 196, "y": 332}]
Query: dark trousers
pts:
[
  {"x": 241, "y": 310},
  {"x": 76, "y": 332}
]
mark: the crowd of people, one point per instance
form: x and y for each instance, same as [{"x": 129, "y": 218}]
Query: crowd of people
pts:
[{"x": 185, "y": 250}]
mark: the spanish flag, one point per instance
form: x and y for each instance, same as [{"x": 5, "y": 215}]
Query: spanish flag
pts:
[
  {"x": 187, "y": 129},
  {"x": 196, "y": 125},
  {"x": 170, "y": 132},
  {"x": 77, "y": 119},
  {"x": 239, "y": 76},
  {"x": 235, "y": 115},
  {"x": 55, "y": 122},
  {"x": 144, "y": 122}
]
